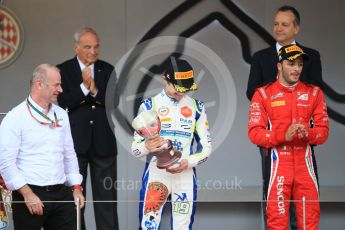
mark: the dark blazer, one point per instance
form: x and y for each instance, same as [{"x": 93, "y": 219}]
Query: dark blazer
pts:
[
  {"x": 264, "y": 69},
  {"x": 89, "y": 123}
]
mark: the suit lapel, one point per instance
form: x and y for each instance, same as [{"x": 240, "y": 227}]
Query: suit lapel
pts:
[
  {"x": 273, "y": 59},
  {"x": 97, "y": 74},
  {"x": 75, "y": 69},
  {"x": 273, "y": 54}
]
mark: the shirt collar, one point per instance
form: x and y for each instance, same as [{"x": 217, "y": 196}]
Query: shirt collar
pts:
[
  {"x": 37, "y": 106},
  {"x": 278, "y": 46}
]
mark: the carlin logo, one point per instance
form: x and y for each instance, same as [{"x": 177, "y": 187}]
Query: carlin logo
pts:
[{"x": 11, "y": 37}]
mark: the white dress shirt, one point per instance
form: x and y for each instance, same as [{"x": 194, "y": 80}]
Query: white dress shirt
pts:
[
  {"x": 34, "y": 153},
  {"x": 278, "y": 46}
]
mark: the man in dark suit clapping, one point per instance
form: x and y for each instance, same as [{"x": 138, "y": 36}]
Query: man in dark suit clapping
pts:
[
  {"x": 84, "y": 82},
  {"x": 264, "y": 70}
]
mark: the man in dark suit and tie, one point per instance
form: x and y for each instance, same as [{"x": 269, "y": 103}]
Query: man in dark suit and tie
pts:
[
  {"x": 264, "y": 70},
  {"x": 84, "y": 81},
  {"x": 264, "y": 62}
]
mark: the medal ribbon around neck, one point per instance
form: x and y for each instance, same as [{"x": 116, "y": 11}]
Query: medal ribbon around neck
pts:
[{"x": 51, "y": 123}]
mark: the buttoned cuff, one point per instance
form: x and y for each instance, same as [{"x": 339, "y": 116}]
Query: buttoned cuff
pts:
[
  {"x": 84, "y": 89},
  {"x": 16, "y": 183}
]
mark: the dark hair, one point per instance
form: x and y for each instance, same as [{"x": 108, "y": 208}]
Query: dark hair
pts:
[{"x": 293, "y": 10}]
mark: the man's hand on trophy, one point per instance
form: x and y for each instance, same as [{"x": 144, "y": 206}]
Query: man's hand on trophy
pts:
[
  {"x": 154, "y": 144},
  {"x": 183, "y": 166}
]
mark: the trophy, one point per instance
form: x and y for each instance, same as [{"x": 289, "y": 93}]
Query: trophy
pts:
[{"x": 147, "y": 125}]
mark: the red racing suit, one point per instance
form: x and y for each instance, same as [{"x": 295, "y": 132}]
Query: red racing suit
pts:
[{"x": 291, "y": 172}]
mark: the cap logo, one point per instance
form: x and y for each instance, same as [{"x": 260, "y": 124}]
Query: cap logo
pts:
[
  {"x": 294, "y": 57},
  {"x": 292, "y": 49},
  {"x": 290, "y": 52},
  {"x": 184, "y": 75}
]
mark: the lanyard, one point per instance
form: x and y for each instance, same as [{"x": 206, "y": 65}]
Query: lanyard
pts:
[{"x": 51, "y": 123}]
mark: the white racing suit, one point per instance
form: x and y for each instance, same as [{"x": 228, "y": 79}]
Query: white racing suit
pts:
[{"x": 182, "y": 122}]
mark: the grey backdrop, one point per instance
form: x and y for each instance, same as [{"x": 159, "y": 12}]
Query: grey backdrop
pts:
[{"x": 49, "y": 26}]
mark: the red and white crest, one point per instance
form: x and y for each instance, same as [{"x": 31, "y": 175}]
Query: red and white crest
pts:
[{"x": 11, "y": 36}]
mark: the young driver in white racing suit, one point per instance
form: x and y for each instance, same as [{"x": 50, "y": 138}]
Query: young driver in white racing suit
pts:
[{"x": 183, "y": 121}]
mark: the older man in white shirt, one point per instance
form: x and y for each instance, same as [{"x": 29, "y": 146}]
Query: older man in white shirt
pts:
[{"x": 37, "y": 158}]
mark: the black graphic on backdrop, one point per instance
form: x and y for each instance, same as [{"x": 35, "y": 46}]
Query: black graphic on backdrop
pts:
[{"x": 208, "y": 19}]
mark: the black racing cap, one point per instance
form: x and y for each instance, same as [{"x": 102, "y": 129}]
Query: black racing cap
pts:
[
  {"x": 291, "y": 53},
  {"x": 180, "y": 73}
]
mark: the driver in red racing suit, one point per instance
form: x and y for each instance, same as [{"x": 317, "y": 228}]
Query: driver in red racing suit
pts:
[{"x": 279, "y": 118}]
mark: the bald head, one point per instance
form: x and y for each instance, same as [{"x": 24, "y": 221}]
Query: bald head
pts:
[
  {"x": 41, "y": 73},
  {"x": 45, "y": 84}
]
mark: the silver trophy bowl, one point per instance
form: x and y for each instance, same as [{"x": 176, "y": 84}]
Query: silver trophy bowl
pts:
[{"x": 147, "y": 124}]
